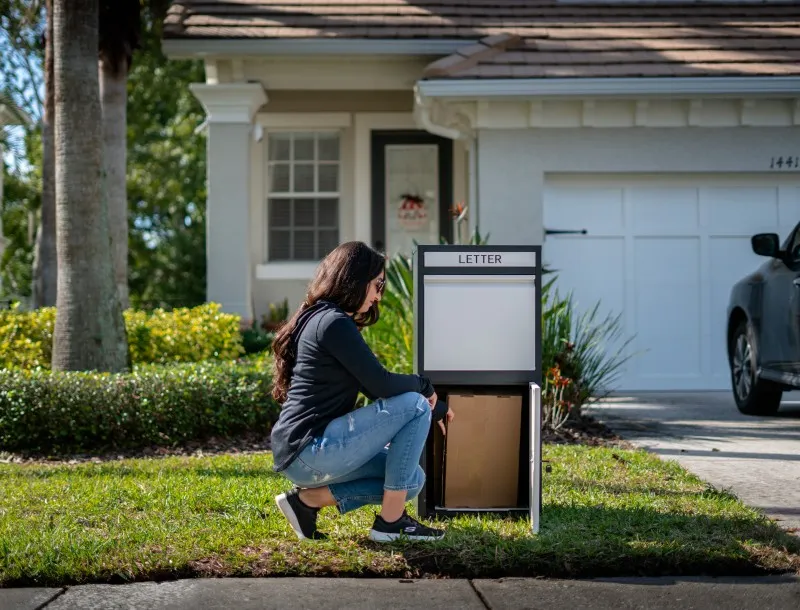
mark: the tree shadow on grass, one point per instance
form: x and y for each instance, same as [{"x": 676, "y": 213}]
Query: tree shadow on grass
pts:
[{"x": 590, "y": 542}]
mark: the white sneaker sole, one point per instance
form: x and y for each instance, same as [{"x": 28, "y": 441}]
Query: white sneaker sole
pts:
[
  {"x": 283, "y": 505},
  {"x": 376, "y": 536}
]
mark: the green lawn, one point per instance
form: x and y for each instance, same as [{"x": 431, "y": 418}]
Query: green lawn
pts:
[{"x": 607, "y": 512}]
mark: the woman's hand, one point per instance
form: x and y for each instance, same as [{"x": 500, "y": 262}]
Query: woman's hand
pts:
[{"x": 449, "y": 417}]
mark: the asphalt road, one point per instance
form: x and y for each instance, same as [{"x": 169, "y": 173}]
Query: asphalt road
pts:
[{"x": 756, "y": 458}]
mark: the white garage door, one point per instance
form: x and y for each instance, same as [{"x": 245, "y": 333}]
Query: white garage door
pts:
[{"x": 664, "y": 252}]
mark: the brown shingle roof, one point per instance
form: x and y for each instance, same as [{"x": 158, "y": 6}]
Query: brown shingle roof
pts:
[{"x": 529, "y": 38}]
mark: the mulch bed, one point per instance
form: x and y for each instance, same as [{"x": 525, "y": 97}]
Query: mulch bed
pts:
[{"x": 585, "y": 430}]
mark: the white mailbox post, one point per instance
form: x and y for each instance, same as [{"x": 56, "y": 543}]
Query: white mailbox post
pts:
[{"x": 477, "y": 316}]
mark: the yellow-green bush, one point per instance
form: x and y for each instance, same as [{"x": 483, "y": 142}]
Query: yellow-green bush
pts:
[
  {"x": 26, "y": 338},
  {"x": 160, "y": 337},
  {"x": 183, "y": 335}
]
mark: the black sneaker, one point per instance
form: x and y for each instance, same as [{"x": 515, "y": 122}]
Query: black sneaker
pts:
[
  {"x": 405, "y": 528},
  {"x": 302, "y": 518}
]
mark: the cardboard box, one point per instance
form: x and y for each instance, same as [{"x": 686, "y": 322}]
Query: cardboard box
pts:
[{"x": 482, "y": 451}]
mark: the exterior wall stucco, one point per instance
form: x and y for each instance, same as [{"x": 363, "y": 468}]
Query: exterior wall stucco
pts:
[
  {"x": 340, "y": 101},
  {"x": 513, "y": 164}
]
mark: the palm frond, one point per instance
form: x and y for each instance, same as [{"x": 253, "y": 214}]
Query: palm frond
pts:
[{"x": 10, "y": 113}]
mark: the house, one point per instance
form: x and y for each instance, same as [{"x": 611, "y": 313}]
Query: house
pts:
[
  {"x": 9, "y": 115},
  {"x": 642, "y": 142}
]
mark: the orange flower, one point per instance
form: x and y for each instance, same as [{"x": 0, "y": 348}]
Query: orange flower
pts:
[{"x": 457, "y": 210}]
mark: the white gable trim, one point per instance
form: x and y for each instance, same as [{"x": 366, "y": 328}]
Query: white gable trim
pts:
[{"x": 613, "y": 87}]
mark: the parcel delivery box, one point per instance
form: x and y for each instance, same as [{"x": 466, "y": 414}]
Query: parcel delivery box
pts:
[{"x": 477, "y": 336}]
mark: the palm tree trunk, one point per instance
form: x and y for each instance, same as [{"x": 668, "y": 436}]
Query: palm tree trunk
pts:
[
  {"x": 114, "y": 97},
  {"x": 89, "y": 330},
  {"x": 45, "y": 264}
]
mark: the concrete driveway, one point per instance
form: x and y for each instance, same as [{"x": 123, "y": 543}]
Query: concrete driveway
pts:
[{"x": 756, "y": 458}]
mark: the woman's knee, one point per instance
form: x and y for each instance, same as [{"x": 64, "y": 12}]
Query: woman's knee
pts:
[{"x": 412, "y": 402}]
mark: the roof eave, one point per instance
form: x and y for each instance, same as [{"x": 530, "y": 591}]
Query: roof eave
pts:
[
  {"x": 184, "y": 48},
  {"x": 486, "y": 88}
]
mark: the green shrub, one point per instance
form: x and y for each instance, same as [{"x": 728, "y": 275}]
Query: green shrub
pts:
[
  {"x": 256, "y": 340},
  {"x": 582, "y": 353},
  {"x": 47, "y": 412},
  {"x": 180, "y": 335}
]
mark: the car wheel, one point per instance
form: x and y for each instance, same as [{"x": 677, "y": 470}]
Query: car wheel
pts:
[{"x": 753, "y": 396}]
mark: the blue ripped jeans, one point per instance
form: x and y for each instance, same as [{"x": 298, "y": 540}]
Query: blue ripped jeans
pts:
[{"x": 351, "y": 458}]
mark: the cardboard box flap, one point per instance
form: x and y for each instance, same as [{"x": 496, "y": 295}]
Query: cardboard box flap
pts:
[{"x": 482, "y": 451}]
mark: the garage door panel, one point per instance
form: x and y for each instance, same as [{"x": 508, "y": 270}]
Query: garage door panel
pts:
[
  {"x": 667, "y": 298},
  {"x": 741, "y": 210},
  {"x": 789, "y": 208},
  {"x": 599, "y": 211},
  {"x": 664, "y": 210},
  {"x": 679, "y": 245},
  {"x": 589, "y": 269}
]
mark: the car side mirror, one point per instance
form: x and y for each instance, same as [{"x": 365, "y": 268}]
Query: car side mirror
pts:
[{"x": 766, "y": 244}]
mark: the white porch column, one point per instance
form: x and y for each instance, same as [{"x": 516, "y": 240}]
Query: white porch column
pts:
[
  {"x": 230, "y": 109},
  {"x": 510, "y": 188}
]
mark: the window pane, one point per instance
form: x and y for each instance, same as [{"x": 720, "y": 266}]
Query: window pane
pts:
[
  {"x": 280, "y": 213},
  {"x": 328, "y": 213},
  {"x": 304, "y": 147},
  {"x": 304, "y": 245},
  {"x": 328, "y": 147},
  {"x": 304, "y": 213},
  {"x": 280, "y": 147},
  {"x": 279, "y": 245},
  {"x": 279, "y": 178},
  {"x": 328, "y": 240},
  {"x": 304, "y": 178},
  {"x": 328, "y": 178}
]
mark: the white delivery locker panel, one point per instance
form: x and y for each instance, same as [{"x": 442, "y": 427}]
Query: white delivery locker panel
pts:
[
  {"x": 478, "y": 314},
  {"x": 479, "y": 322}
]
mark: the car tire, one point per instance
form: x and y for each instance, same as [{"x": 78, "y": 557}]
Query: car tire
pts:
[{"x": 753, "y": 396}]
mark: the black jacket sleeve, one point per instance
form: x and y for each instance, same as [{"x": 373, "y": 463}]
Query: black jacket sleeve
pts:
[{"x": 340, "y": 337}]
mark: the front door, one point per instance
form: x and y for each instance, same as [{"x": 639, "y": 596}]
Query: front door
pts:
[{"x": 412, "y": 190}]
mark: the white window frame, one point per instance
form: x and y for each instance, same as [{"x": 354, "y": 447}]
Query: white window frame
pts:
[{"x": 297, "y": 123}]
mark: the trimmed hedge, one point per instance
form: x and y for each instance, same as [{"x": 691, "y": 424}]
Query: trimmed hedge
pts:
[
  {"x": 50, "y": 413},
  {"x": 182, "y": 335}
]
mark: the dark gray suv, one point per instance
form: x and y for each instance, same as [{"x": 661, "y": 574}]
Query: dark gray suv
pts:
[{"x": 764, "y": 326}]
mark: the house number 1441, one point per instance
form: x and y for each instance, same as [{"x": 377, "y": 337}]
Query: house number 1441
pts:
[{"x": 785, "y": 163}]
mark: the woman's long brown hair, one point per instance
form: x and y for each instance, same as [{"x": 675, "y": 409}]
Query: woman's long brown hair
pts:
[{"x": 342, "y": 278}]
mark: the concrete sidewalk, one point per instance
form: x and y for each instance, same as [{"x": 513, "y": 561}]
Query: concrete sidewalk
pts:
[{"x": 767, "y": 593}]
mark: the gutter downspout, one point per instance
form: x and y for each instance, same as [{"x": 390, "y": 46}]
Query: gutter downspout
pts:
[{"x": 422, "y": 116}]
